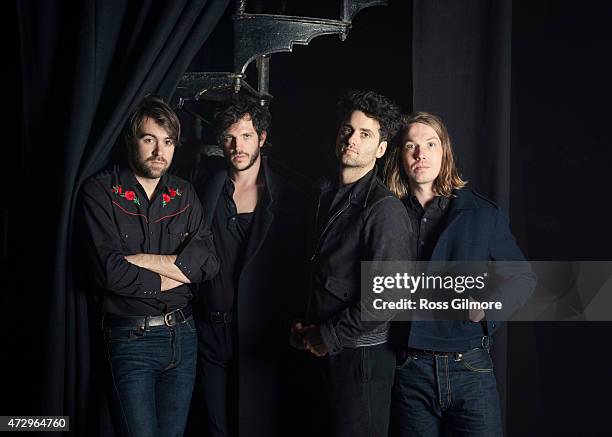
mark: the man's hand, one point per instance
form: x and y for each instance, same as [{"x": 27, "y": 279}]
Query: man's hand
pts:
[
  {"x": 476, "y": 315},
  {"x": 296, "y": 337},
  {"x": 168, "y": 283},
  {"x": 313, "y": 342}
]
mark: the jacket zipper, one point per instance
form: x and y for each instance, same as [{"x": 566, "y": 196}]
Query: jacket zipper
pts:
[{"x": 331, "y": 220}]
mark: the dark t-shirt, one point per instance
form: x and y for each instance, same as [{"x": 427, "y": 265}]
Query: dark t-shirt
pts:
[{"x": 231, "y": 231}]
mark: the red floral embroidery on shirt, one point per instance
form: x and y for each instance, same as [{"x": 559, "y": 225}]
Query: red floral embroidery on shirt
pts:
[
  {"x": 129, "y": 195},
  {"x": 172, "y": 193}
]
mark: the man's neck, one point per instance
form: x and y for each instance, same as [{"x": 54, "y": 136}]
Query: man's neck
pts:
[
  {"x": 424, "y": 194},
  {"x": 348, "y": 175},
  {"x": 246, "y": 178},
  {"x": 147, "y": 184}
]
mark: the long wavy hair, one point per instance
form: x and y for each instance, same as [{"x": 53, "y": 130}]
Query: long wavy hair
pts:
[{"x": 394, "y": 174}]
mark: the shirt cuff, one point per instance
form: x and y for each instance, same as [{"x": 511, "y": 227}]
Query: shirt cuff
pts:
[
  {"x": 182, "y": 262},
  {"x": 329, "y": 337},
  {"x": 150, "y": 282}
]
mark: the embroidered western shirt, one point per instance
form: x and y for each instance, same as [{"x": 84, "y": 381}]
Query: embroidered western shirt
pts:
[{"x": 121, "y": 221}]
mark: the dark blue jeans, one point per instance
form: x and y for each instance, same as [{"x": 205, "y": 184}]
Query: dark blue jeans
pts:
[
  {"x": 456, "y": 392},
  {"x": 359, "y": 384},
  {"x": 152, "y": 377}
]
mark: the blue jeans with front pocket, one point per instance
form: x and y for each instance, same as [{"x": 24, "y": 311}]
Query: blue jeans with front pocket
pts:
[
  {"x": 456, "y": 392},
  {"x": 152, "y": 374}
]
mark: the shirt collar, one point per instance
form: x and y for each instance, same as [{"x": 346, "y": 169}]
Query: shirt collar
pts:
[
  {"x": 128, "y": 179},
  {"x": 439, "y": 202},
  {"x": 263, "y": 175},
  {"x": 360, "y": 191}
]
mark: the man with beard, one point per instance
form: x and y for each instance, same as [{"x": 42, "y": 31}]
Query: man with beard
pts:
[
  {"x": 258, "y": 215},
  {"x": 148, "y": 243},
  {"x": 359, "y": 219}
]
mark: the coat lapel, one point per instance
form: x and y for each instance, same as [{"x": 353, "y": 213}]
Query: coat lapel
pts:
[
  {"x": 462, "y": 202},
  {"x": 209, "y": 194},
  {"x": 264, "y": 216}
]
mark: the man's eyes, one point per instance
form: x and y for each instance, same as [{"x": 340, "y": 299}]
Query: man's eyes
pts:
[
  {"x": 411, "y": 146},
  {"x": 167, "y": 142},
  {"x": 347, "y": 131}
]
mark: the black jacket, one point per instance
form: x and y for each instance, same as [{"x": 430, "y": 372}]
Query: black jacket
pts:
[
  {"x": 369, "y": 226},
  {"x": 270, "y": 289}
]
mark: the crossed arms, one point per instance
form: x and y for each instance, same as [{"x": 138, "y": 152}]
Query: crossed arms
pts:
[
  {"x": 163, "y": 265},
  {"x": 144, "y": 275}
]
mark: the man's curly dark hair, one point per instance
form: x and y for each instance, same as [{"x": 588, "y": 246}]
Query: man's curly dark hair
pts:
[
  {"x": 373, "y": 105},
  {"x": 237, "y": 107}
]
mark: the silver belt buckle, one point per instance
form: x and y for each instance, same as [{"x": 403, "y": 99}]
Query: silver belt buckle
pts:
[{"x": 173, "y": 315}]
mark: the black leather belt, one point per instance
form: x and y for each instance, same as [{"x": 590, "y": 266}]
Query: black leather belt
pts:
[
  {"x": 484, "y": 344},
  {"x": 168, "y": 319},
  {"x": 218, "y": 317},
  {"x": 412, "y": 350}
]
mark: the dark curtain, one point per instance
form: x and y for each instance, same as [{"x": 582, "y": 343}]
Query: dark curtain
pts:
[
  {"x": 461, "y": 71},
  {"x": 84, "y": 66}
]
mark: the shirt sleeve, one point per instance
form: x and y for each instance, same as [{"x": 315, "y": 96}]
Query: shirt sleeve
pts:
[
  {"x": 386, "y": 232},
  {"x": 112, "y": 272},
  {"x": 197, "y": 259},
  {"x": 514, "y": 279}
]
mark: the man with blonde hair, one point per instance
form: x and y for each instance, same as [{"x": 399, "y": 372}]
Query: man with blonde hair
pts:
[{"x": 444, "y": 378}]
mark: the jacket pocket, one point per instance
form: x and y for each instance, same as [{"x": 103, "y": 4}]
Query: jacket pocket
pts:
[{"x": 339, "y": 289}]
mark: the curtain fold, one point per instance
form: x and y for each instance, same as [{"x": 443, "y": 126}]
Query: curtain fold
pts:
[
  {"x": 84, "y": 67},
  {"x": 462, "y": 53}
]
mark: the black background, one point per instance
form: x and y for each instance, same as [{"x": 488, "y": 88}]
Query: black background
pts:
[{"x": 558, "y": 379}]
